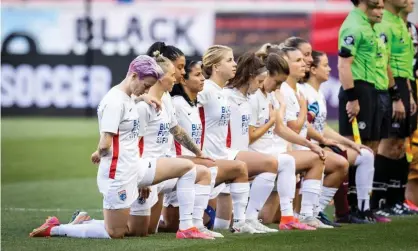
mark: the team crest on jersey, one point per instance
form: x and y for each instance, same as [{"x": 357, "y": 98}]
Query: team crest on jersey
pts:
[
  {"x": 122, "y": 195},
  {"x": 383, "y": 38},
  {"x": 349, "y": 40}
]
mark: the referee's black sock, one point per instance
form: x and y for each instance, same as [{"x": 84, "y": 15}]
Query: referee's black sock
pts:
[
  {"x": 402, "y": 176},
  {"x": 397, "y": 182},
  {"x": 352, "y": 190},
  {"x": 380, "y": 182}
]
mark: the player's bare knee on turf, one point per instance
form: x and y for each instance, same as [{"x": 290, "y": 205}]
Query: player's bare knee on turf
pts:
[{"x": 116, "y": 233}]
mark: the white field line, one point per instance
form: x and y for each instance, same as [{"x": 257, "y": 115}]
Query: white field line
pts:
[{"x": 22, "y": 209}]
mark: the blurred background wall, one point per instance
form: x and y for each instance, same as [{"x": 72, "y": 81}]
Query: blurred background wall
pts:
[{"x": 59, "y": 57}]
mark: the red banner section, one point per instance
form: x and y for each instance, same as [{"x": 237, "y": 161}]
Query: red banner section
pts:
[
  {"x": 244, "y": 31},
  {"x": 325, "y": 27}
]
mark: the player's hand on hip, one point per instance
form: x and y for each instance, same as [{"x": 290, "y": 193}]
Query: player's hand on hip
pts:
[
  {"x": 353, "y": 109},
  {"x": 398, "y": 110},
  {"x": 95, "y": 157}
]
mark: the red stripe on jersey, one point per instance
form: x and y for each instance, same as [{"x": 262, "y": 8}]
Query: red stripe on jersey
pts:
[
  {"x": 115, "y": 156},
  {"x": 228, "y": 137},
  {"x": 178, "y": 148},
  {"x": 202, "y": 119},
  {"x": 141, "y": 146}
]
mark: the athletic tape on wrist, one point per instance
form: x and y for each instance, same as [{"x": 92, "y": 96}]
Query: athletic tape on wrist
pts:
[{"x": 394, "y": 93}]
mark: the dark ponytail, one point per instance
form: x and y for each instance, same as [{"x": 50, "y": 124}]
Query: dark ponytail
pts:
[{"x": 168, "y": 51}]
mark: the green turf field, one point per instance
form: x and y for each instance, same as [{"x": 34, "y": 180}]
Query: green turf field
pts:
[{"x": 46, "y": 171}]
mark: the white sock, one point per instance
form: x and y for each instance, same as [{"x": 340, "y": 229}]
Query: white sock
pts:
[
  {"x": 93, "y": 221},
  {"x": 311, "y": 190},
  {"x": 85, "y": 230},
  {"x": 327, "y": 194},
  {"x": 221, "y": 223},
  {"x": 202, "y": 193},
  {"x": 260, "y": 190},
  {"x": 186, "y": 197},
  {"x": 286, "y": 183},
  {"x": 239, "y": 195},
  {"x": 364, "y": 178}
]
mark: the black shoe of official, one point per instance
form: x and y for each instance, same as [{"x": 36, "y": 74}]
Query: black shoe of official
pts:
[
  {"x": 367, "y": 215},
  {"x": 400, "y": 210},
  {"x": 351, "y": 218}
]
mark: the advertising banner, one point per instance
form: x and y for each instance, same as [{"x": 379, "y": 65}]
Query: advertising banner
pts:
[{"x": 47, "y": 69}]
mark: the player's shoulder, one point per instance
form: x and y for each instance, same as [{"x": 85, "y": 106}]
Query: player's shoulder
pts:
[
  {"x": 228, "y": 91},
  {"x": 144, "y": 107},
  {"x": 114, "y": 98},
  {"x": 179, "y": 102},
  {"x": 209, "y": 85},
  {"x": 306, "y": 89},
  {"x": 255, "y": 97},
  {"x": 285, "y": 89}
]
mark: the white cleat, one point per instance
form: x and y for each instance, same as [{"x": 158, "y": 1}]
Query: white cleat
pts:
[
  {"x": 322, "y": 225},
  {"x": 211, "y": 233},
  {"x": 256, "y": 224},
  {"x": 243, "y": 227},
  {"x": 310, "y": 221}
]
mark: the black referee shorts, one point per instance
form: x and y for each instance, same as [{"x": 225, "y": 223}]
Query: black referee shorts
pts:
[
  {"x": 367, "y": 119},
  {"x": 402, "y": 129}
]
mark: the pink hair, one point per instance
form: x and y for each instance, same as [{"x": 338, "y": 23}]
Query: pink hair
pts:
[{"x": 145, "y": 66}]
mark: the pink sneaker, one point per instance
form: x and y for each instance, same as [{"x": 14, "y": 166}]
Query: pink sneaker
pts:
[
  {"x": 411, "y": 205},
  {"x": 294, "y": 224},
  {"x": 192, "y": 233},
  {"x": 45, "y": 229}
]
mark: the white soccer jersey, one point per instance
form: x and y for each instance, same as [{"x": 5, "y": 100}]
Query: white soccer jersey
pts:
[
  {"x": 117, "y": 115},
  {"x": 188, "y": 118},
  {"x": 166, "y": 100},
  {"x": 311, "y": 96},
  {"x": 293, "y": 109},
  {"x": 214, "y": 113},
  {"x": 260, "y": 115},
  {"x": 155, "y": 130},
  {"x": 238, "y": 138},
  {"x": 279, "y": 143}
]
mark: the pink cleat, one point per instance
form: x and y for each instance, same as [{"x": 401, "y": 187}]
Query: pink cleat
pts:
[
  {"x": 411, "y": 205},
  {"x": 45, "y": 229},
  {"x": 294, "y": 224},
  {"x": 192, "y": 233}
]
